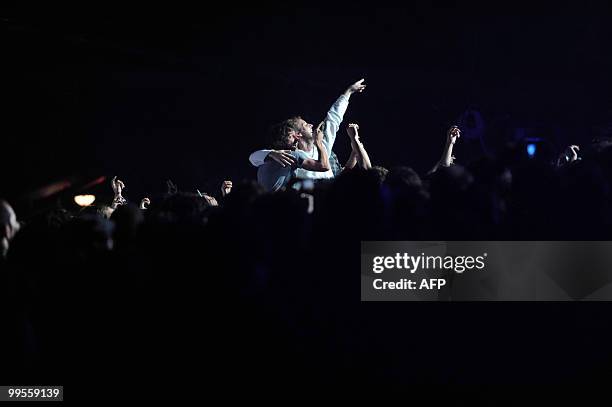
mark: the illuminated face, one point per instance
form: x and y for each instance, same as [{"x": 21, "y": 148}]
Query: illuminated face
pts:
[{"x": 305, "y": 129}]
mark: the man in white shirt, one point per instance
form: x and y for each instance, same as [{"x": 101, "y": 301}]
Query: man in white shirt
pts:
[{"x": 297, "y": 132}]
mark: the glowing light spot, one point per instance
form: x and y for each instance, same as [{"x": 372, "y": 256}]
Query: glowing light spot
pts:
[
  {"x": 531, "y": 150},
  {"x": 84, "y": 200}
]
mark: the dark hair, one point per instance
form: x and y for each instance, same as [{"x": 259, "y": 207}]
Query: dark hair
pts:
[
  {"x": 381, "y": 173},
  {"x": 279, "y": 137},
  {"x": 403, "y": 176}
]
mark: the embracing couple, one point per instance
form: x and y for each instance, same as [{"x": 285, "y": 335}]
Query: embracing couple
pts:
[{"x": 301, "y": 152}]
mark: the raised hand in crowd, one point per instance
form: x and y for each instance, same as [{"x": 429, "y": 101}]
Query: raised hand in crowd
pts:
[
  {"x": 452, "y": 135},
  {"x": 118, "y": 187},
  {"x": 208, "y": 198},
  {"x": 226, "y": 188},
  {"x": 360, "y": 154},
  {"x": 358, "y": 87},
  {"x": 569, "y": 155},
  {"x": 144, "y": 203}
]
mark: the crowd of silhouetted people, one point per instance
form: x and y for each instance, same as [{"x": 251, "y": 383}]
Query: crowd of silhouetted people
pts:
[{"x": 263, "y": 288}]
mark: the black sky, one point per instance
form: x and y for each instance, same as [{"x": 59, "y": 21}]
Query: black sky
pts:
[{"x": 188, "y": 95}]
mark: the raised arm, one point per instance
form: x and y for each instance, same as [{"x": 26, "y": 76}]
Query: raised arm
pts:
[
  {"x": 118, "y": 187},
  {"x": 335, "y": 115},
  {"x": 352, "y": 160},
  {"x": 322, "y": 164},
  {"x": 447, "y": 159},
  {"x": 355, "y": 87},
  {"x": 357, "y": 146}
]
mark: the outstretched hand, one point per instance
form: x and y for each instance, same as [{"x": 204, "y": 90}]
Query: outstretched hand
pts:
[
  {"x": 117, "y": 185},
  {"x": 356, "y": 87},
  {"x": 453, "y": 134}
]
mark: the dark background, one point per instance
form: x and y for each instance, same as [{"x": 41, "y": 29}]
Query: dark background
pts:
[
  {"x": 155, "y": 94},
  {"x": 152, "y": 94}
]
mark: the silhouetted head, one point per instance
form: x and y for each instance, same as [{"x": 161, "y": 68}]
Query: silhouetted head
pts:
[
  {"x": 8, "y": 226},
  {"x": 380, "y": 172},
  {"x": 403, "y": 177}
]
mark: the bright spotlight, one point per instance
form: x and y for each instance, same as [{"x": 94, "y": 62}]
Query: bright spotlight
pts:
[{"x": 84, "y": 200}]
